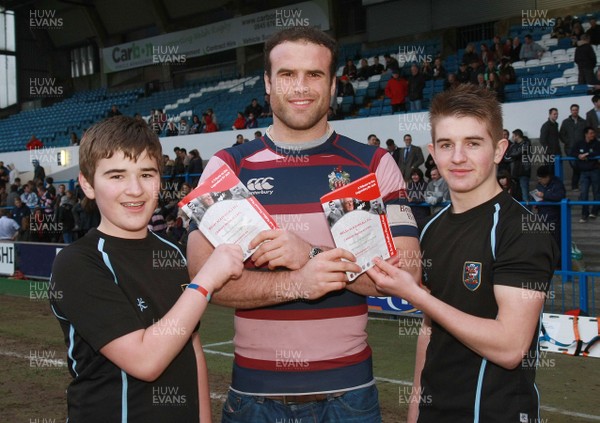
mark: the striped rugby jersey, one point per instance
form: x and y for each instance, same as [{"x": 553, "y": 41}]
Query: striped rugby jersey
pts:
[{"x": 304, "y": 347}]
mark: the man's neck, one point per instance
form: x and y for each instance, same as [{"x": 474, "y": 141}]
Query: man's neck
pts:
[{"x": 279, "y": 132}]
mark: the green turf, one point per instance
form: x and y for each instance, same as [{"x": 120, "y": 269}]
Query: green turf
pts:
[{"x": 27, "y": 327}]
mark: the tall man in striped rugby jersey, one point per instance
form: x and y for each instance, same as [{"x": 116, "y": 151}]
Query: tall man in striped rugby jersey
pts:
[{"x": 301, "y": 347}]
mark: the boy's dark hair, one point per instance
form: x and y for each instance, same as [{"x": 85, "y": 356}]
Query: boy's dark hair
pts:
[
  {"x": 302, "y": 33},
  {"x": 389, "y": 142},
  {"x": 518, "y": 133},
  {"x": 50, "y": 179},
  {"x": 120, "y": 133}
]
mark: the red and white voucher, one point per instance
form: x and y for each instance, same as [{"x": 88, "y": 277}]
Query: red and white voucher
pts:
[
  {"x": 225, "y": 211},
  {"x": 358, "y": 222}
]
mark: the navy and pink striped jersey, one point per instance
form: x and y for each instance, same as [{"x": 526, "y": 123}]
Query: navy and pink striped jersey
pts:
[{"x": 303, "y": 346}]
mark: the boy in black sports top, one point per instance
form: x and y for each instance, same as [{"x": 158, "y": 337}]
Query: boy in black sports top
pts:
[
  {"x": 486, "y": 277},
  {"x": 131, "y": 334}
]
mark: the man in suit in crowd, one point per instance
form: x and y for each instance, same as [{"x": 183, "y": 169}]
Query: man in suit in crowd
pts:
[{"x": 411, "y": 157}]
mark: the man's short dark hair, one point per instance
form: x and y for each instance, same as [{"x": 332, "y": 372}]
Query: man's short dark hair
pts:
[
  {"x": 552, "y": 110},
  {"x": 573, "y": 105},
  {"x": 587, "y": 129},
  {"x": 389, "y": 142},
  {"x": 302, "y": 33},
  {"x": 529, "y": 36},
  {"x": 371, "y": 135},
  {"x": 595, "y": 98},
  {"x": 518, "y": 133}
]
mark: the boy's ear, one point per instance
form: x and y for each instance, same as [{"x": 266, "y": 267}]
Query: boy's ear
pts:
[{"x": 87, "y": 188}]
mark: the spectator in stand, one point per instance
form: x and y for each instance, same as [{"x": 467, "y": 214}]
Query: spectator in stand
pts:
[
  {"x": 21, "y": 214},
  {"x": 475, "y": 69},
  {"x": 172, "y": 130},
  {"x": 416, "y": 187},
  {"x": 572, "y": 132},
  {"x": 364, "y": 71},
  {"x": 254, "y": 108},
  {"x": 239, "y": 140},
  {"x": 266, "y": 112},
  {"x": 429, "y": 164},
  {"x": 46, "y": 199},
  {"x": 585, "y": 59},
  {"x": 496, "y": 49},
  {"x": 463, "y": 76},
  {"x": 506, "y": 72},
  {"x": 251, "y": 122},
  {"x": 587, "y": 152},
  {"x": 470, "y": 55},
  {"x": 437, "y": 191},
  {"x": 508, "y": 184},
  {"x": 494, "y": 84},
  {"x": 350, "y": 70},
  {"x": 196, "y": 127},
  {"x": 345, "y": 88},
  {"x": 34, "y": 143},
  {"x": 491, "y": 68},
  {"x": 175, "y": 230},
  {"x": 517, "y": 155},
  {"x": 411, "y": 157},
  {"x": 3, "y": 195},
  {"x": 576, "y": 33},
  {"x": 550, "y": 188},
  {"x": 87, "y": 216},
  {"x": 114, "y": 111},
  {"x": 439, "y": 72},
  {"x": 39, "y": 174},
  {"x": 213, "y": 117},
  {"x": 372, "y": 140},
  {"x": 591, "y": 117},
  {"x": 376, "y": 68},
  {"x": 4, "y": 178},
  {"x": 65, "y": 216},
  {"x": 593, "y": 32},
  {"x": 196, "y": 166},
  {"x": 506, "y": 49},
  {"x": 531, "y": 49},
  {"x": 426, "y": 70},
  {"x": 13, "y": 173},
  {"x": 50, "y": 186},
  {"x": 416, "y": 84},
  {"x": 74, "y": 140},
  {"x": 515, "y": 52},
  {"x": 9, "y": 229},
  {"x": 481, "y": 82},
  {"x": 331, "y": 115},
  {"x": 390, "y": 63},
  {"x": 209, "y": 125},
  {"x": 13, "y": 194},
  {"x": 550, "y": 135},
  {"x": 257, "y": 135},
  {"x": 451, "y": 82},
  {"x": 240, "y": 122},
  {"x": 393, "y": 149},
  {"x": 396, "y": 90},
  {"x": 558, "y": 31},
  {"x": 184, "y": 129},
  {"x": 485, "y": 54},
  {"x": 60, "y": 193}
]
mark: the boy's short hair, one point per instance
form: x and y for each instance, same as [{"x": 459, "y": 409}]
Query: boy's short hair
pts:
[
  {"x": 119, "y": 133},
  {"x": 468, "y": 100}
]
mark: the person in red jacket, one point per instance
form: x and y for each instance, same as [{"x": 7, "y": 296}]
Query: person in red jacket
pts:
[
  {"x": 397, "y": 89},
  {"x": 34, "y": 143}
]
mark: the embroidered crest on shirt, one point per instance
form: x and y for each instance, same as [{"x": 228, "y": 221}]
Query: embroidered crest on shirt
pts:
[
  {"x": 472, "y": 275},
  {"x": 338, "y": 178}
]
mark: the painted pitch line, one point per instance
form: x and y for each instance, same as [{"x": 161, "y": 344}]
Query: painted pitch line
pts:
[
  {"x": 217, "y": 343},
  {"x": 569, "y": 413},
  {"x": 222, "y": 398}
]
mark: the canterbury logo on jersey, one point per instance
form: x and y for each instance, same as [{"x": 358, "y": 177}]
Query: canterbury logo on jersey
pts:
[{"x": 260, "y": 185}]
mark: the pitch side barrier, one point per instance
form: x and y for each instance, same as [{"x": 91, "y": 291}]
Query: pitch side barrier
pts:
[{"x": 570, "y": 289}]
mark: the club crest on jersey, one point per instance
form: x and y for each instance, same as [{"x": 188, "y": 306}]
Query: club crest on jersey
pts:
[
  {"x": 338, "y": 178},
  {"x": 472, "y": 275}
]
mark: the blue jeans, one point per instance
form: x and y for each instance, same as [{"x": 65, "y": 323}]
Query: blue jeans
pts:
[
  {"x": 524, "y": 184},
  {"x": 415, "y": 105},
  {"x": 589, "y": 178},
  {"x": 357, "y": 406}
]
